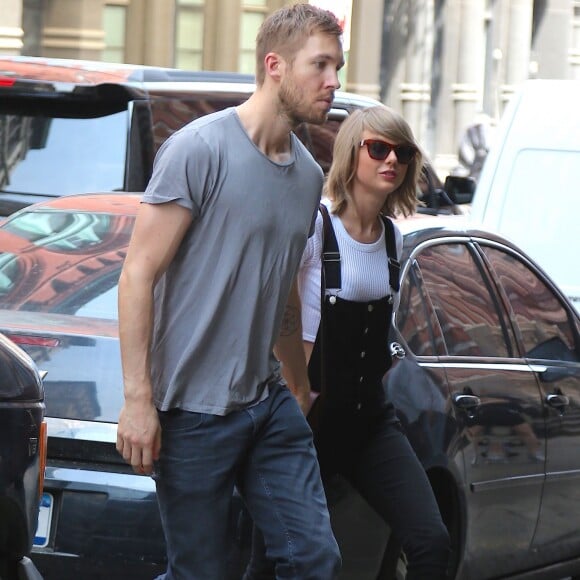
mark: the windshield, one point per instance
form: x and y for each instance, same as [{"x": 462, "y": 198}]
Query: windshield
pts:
[{"x": 61, "y": 156}]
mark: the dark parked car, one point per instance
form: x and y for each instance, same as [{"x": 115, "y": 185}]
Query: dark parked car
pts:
[
  {"x": 22, "y": 458},
  {"x": 71, "y": 126},
  {"x": 489, "y": 393},
  {"x": 75, "y": 126}
]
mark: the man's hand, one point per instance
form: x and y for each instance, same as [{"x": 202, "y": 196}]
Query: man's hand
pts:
[
  {"x": 139, "y": 436},
  {"x": 305, "y": 398}
]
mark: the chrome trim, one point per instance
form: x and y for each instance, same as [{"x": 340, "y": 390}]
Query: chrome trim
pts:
[
  {"x": 506, "y": 482},
  {"x": 82, "y": 430},
  {"x": 560, "y": 475},
  {"x": 496, "y": 366},
  {"x": 96, "y": 480}
]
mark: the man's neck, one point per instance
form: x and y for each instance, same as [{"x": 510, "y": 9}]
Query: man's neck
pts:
[{"x": 265, "y": 126}]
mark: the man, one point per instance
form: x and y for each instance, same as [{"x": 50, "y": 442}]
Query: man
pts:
[{"x": 207, "y": 292}]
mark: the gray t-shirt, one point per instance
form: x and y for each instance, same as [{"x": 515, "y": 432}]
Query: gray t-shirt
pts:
[{"x": 219, "y": 306}]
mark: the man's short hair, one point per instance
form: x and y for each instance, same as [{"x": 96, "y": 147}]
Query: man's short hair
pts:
[{"x": 286, "y": 30}]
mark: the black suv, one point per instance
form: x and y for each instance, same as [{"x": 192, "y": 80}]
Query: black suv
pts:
[
  {"x": 22, "y": 459},
  {"x": 75, "y": 126}
]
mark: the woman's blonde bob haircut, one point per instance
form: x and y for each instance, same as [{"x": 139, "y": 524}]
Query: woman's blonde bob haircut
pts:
[{"x": 383, "y": 122}]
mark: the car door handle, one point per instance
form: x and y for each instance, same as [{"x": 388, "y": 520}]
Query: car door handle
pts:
[
  {"x": 466, "y": 402},
  {"x": 557, "y": 400}
]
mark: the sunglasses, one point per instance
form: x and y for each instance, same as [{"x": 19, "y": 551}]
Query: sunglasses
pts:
[{"x": 380, "y": 150}]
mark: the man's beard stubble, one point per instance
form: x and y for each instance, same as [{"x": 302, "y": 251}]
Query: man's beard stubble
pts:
[{"x": 292, "y": 106}]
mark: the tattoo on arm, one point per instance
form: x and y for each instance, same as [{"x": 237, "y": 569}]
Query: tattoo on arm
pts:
[{"x": 290, "y": 321}]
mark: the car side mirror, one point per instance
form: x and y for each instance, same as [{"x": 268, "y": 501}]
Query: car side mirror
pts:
[{"x": 460, "y": 189}]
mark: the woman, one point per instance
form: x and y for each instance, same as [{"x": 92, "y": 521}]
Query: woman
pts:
[{"x": 374, "y": 174}]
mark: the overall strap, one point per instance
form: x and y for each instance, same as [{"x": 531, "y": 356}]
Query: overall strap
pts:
[
  {"x": 330, "y": 253},
  {"x": 391, "y": 244}
]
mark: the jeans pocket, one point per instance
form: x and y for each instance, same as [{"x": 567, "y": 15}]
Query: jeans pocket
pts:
[{"x": 179, "y": 421}]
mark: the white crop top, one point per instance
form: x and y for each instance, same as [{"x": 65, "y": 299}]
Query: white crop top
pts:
[{"x": 364, "y": 272}]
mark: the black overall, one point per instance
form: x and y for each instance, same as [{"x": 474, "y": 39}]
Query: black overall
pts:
[
  {"x": 357, "y": 434},
  {"x": 348, "y": 361}
]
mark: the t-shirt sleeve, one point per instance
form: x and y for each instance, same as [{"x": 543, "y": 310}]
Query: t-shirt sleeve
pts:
[
  {"x": 183, "y": 172},
  {"x": 309, "y": 283}
]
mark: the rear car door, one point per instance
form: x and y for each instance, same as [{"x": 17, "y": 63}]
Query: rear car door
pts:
[
  {"x": 498, "y": 409},
  {"x": 547, "y": 327}
]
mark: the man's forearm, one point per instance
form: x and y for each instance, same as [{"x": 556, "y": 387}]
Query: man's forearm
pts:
[
  {"x": 290, "y": 352},
  {"x": 135, "y": 328}
]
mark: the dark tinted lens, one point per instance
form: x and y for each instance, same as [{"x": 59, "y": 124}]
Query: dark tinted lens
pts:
[
  {"x": 378, "y": 149},
  {"x": 404, "y": 153}
]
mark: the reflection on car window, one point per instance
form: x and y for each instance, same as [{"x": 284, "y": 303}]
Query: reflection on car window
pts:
[
  {"x": 542, "y": 320},
  {"x": 65, "y": 232},
  {"x": 63, "y": 262},
  {"x": 57, "y": 156},
  {"x": 466, "y": 311},
  {"x": 319, "y": 140},
  {"x": 412, "y": 319}
]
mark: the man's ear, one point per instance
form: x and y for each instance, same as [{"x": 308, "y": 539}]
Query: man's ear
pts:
[{"x": 274, "y": 66}]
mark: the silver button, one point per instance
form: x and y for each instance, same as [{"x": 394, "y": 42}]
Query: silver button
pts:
[
  {"x": 332, "y": 299},
  {"x": 361, "y": 380},
  {"x": 366, "y": 330},
  {"x": 370, "y": 307},
  {"x": 359, "y": 406},
  {"x": 362, "y": 354}
]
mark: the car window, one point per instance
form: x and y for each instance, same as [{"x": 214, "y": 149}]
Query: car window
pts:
[
  {"x": 414, "y": 319},
  {"x": 466, "y": 310},
  {"x": 319, "y": 140},
  {"x": 542, "y": 320},
  {"x": 62, "y": 156}
]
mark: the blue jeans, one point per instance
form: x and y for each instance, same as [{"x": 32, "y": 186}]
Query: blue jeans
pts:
[{"x": 267, "y": 452}]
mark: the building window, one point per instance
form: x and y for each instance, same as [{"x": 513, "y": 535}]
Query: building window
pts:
[
  {"x": 189, "y": 34},
  {"x": 253, "y": 14},
  {"x": 114, "y": 22}
]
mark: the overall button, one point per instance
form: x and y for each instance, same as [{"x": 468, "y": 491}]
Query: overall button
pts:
[
  {"x": 332, "y": 299},
  {"x": 362, "y": 354},
  {"x": 361, "y": 379},
  {"x": 366, "y": 330},
  {"x": 370, "y": 307},
  {"x": 359, "y": 405}
]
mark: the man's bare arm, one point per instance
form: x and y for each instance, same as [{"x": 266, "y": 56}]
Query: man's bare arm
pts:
[
  {"x": 159, "y": 230},
  {"x": 289, "y": 350}
]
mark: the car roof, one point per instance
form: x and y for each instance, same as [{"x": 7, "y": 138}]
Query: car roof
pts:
[
  {"x": 40, "y": 75},
  {"x": 86, "y": 72},
  {"x": 122, "y": 203},
  {"x": 421, "y": 227}
]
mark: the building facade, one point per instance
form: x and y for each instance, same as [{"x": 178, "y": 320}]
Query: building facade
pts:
[{"x": 442, "y": 63}]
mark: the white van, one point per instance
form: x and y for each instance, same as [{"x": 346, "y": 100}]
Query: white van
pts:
[{"x": 529, "y": 188}]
